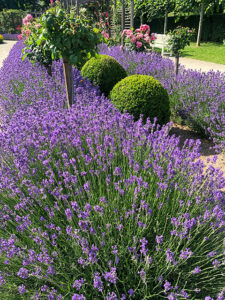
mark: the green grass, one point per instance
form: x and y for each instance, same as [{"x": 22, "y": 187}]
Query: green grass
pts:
[{"x": 210, "y": 51}]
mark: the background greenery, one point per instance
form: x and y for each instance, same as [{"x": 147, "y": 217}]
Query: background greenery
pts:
[{"x": 213, "y": 25}]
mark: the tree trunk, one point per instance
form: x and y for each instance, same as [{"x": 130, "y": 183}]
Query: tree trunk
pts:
[
  {"x": 166, "y": 22},
  {"x": 68, "y": 76},
  {"x": 49, "y": 70},
  {"x": 200, "y": 24},
  {"x": 109, "y": 19},
  {"x": 176, "y": 63}
]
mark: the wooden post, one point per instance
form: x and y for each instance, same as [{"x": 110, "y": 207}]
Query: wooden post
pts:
[
  {"x": 132, "y": 13},
  {"x": 68, "y": 76},
  {"x": 176, "y": 63},
  {"x": 77, "y": 7},
  {"x": 122, "y": 21},
  {"x": 49, "y": 70}
]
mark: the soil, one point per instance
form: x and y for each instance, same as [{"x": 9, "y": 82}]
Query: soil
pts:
[{"x": 184, "y": 132}]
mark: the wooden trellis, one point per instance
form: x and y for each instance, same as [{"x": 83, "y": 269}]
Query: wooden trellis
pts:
[{"x": 127, "y": 15}]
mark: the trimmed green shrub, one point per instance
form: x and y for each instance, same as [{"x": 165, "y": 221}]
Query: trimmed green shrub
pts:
[
  {"x": 1, "y": 39},
  {"x": 142, "y": 95},
  {"x": 104, "y": 71}
]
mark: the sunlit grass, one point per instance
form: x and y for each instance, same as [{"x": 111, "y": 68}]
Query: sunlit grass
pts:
[{"x": 212, "y": 52}]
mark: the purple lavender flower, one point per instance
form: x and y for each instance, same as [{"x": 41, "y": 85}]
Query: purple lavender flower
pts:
[
  {"x": 68, "y": 214},
  {"x": 142, "y": 275},
  {"x": 159, "y": 239},
  {"x": 184, "y": 294},
  {"x": 170, "y": 257},
  {"x": 167, "y": 286},
  {"x": 78, "y": 297},
  {"x": 111, "y": 296},
  {"x": 98, "y": 284},
  {"x": 131, "y": 292},
  {"x": 23, "y": 273},
  {"x": 22, "y": 289},
  {"x": 196, "y": 270},
  {"x": 111, "y": 276},
  {"x": 185, "y": 254},
  {"x": 78, "y": 283},
  {"x": 2, "y": 280}
]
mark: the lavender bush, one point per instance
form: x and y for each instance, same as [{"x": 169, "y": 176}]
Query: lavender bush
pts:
[
  {"x": 96, "y": 206},
  {"x": 197, "y": 98},
  {"x": 10, "y": 36}
]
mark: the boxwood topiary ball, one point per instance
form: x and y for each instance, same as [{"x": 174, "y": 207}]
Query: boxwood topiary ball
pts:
[
  {"x": 142, "y": 95},
  {"x": 104, "y": 71}
]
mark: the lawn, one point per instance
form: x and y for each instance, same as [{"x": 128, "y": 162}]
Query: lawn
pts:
[{"x": 213, "y": 52}]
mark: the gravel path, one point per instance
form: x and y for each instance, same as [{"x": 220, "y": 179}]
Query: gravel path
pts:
[
  {"x": 4, "y": 50},
  {"x": 199, "y": 65}
]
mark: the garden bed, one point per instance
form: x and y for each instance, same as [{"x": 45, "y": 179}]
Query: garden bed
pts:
[
  {"x": 10, "y": 36},
  {"x": 97, "y": 206},
  {"x": 197, "y": 99}
]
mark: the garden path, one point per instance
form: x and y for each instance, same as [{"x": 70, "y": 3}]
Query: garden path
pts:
[
  {"x": 199, "y": 65},
  {"x": 4, "y": 50}
]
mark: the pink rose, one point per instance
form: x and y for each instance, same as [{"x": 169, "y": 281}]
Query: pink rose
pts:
[
  {"x": 20, "y": 36},
  {"x": 139, "y": 36},
  {"x": 37, "y": 26},
  {"x": 25, "y": 21},
  {"x": 137, "y": 30},
  {"x": 133, "y": 40},
  {"x": 153, "y": 37},
  {"x": 51, "y": 1},
  {"x": 27, "y": 32},
  {"x": 129, "y": 32},
  {"x": 145, "y": 28},
  {"x": 147, "y": 39},
  {"x": 139, "y": 44},
  {"x": 29, "y": 17},
  {"x": 121, "y": 48}
]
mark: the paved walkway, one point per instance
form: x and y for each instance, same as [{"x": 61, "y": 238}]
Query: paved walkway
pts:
[
  {"x": 199, "y": 65},
  {"x": 4, "y": 50}
]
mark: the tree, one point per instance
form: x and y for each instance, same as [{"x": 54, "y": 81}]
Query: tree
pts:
[
  {"x": 202, "y": 7},
  {"x": 23, "y": 4},
  {"x": 155, "y": 8},
  {"x": 68, "y": 37}
]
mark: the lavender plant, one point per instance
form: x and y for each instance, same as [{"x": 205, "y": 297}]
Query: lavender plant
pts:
[
  {"x": 96, "y": 206},
  {"x": 196, "y": 98}
]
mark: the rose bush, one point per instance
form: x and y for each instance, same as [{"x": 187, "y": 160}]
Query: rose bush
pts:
[
  {"x": 138, "y": 40},
  {"x": 35, "y": 51}
]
